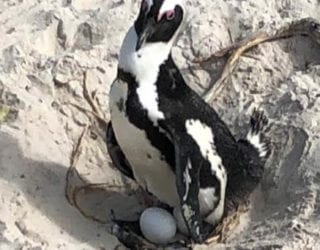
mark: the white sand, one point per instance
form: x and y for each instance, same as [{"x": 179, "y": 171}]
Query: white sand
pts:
[{"x": 45, "y": 46}]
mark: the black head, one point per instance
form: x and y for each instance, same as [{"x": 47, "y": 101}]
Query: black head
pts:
[{"x": 158, "y": 21}]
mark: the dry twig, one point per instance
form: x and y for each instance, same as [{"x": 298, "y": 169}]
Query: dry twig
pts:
[
  {"x": 96, "y": 115},
  {"x": 72, "y": 171},
  {"x": 89, "y": 98},
  {"x": 307, "y": 27},
  {"x": 91, "y": 187}
]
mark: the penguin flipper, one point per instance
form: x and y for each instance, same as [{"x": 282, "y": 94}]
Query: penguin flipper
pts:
[
  {"x": 117, "y": 156},
  {"x": 188, "y": 164}
]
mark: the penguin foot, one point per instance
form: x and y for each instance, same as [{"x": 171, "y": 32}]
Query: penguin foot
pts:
[
  {"x": 256, "y": 136},
  {"x": 206, "y": 231},
  {"x": 130, "y": 235},
  {"x": 227, "y": 225}
]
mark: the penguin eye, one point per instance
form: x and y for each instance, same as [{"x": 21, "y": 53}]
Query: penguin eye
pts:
[{"x": 170, "y": 15}]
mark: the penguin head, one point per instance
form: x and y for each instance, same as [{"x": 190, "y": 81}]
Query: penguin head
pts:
[
  {"x": 158, "y": 21},
  {"x": 148, "y": 43}
]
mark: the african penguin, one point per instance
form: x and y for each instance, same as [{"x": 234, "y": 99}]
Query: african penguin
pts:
[{"x": 163, "y": 135}]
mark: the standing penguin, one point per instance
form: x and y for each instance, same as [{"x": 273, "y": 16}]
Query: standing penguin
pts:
[{"x": 163, "y": 135}]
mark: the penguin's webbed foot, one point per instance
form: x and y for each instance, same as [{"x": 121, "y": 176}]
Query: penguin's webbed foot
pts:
[
  {"x": 130, "y": 235},
  {"x": 206, "y": 231}
]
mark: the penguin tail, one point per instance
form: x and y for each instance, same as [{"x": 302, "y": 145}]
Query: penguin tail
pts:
[{"x": 257, "y": 134}]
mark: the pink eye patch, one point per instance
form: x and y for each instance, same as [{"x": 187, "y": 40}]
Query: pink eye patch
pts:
[{"x": 169, "y": 14}]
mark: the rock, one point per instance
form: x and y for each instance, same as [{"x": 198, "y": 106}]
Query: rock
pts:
[
  {"x": 65, "y": 70},
  {"x": 12, "y": 58},
  {"x": 83, "y": 39},
  {"x": 88, "y": 35},
  {"x": 61, "y": 35},
  {"x": 84, "y": 5},
  {"x": 44, "y": 86},
  {"x": 10, "y": 105},
  {"x": 2, "y": 227}
]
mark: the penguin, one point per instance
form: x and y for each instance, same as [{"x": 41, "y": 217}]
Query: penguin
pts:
[{"x": 167, "y": 138}]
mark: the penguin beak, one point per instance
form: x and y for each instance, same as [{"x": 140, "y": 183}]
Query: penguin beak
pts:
[{"x": 146, "y": 33}]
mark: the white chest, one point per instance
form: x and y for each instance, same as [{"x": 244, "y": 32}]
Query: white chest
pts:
[
  {"x": 144, "y": 65},
  {"x": 149, "y": 169}
]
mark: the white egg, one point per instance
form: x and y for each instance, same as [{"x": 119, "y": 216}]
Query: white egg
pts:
[{"x": 157, "y": 225}]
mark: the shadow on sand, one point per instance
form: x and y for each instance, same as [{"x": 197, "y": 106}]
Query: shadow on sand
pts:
[{"x": 43, "y": 185}]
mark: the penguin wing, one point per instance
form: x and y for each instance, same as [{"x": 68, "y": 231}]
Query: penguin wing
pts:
[
  {"x": 188, "y": 164},
  {"x": 117, "y": 156}
]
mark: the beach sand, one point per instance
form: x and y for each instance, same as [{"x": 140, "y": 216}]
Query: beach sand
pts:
[{"x": 45, "y": 47}]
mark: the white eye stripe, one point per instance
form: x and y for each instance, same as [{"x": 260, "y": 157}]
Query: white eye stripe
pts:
[{"x": 169, "y": 5}]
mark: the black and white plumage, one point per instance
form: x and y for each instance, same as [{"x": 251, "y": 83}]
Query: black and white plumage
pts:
[{"x": 167, "y": 138}]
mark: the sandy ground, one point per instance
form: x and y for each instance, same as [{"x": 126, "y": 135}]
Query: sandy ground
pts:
[{"x": 45, "y": 47}]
